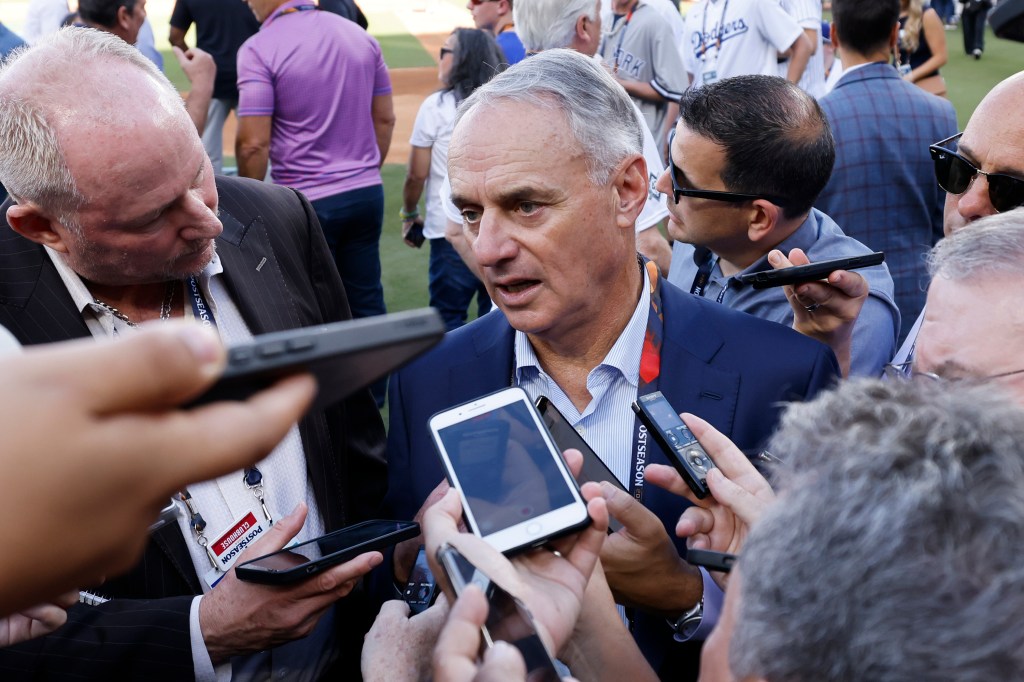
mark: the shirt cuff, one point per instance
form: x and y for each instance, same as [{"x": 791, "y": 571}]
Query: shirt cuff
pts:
[
  {"x": 201, "y": 663},
  {"x": 713, "y": 597}
]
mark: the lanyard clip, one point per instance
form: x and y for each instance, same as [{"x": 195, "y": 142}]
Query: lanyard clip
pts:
[{"x": 253, "y": 479}]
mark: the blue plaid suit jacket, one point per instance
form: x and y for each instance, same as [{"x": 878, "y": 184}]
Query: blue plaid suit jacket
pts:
[{"x": 883, "y": 190}]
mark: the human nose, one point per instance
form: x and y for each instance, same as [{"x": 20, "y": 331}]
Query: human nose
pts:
[
  {"x": 492, "y": 243},
  {"x": 200, "y": 219},
  {"x": 664, "y": 184},
  {"x": 975, "y": 203}
]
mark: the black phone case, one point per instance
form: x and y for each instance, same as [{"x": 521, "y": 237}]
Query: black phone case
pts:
[
  {"x": 799, "y": 274},
  {"x": 300, "y": 573}
]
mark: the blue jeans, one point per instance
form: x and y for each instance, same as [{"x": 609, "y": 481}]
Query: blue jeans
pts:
[
  {"x": 944, "y": 8},
  {"x": 453, "y": 285},
  {"x": 352, "y": 223}
]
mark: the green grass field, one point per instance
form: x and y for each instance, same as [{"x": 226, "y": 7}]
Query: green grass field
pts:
[{"x": 405, "y": 269}]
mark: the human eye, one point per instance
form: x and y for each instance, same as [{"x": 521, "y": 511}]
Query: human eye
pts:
[
  {"x": 470, "y": 216},
  {"x": 528, "y": 207}
]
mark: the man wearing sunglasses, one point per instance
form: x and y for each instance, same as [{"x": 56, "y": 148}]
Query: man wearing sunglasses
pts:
[
  {"x": 748, "y": 158},
  {"x": 982, "y": 172}
]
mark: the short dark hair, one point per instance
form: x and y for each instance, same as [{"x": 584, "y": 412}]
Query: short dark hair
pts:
[
  {"x": 777, "y": 140},
  {"x": 103, "y": 12},
  {"x": 477, "y": 59},
  {"x": 865, "y": 25}
]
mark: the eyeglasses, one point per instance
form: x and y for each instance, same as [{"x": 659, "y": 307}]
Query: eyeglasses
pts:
[
  {"x": 445, "y": 50},
  {"x": 477, "y": 3},
  {"x": 679, "y": 191},
  {"x": 955, "y": 175},
  {"x": 905, "y": 371}
]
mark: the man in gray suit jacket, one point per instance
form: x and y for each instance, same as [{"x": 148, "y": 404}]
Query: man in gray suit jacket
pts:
[{"x": 118, "y": 220}]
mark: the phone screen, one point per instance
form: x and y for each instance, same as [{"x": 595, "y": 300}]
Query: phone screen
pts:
[
  {"x": 505, "y": 467},
  {"x": 339, "y": 541}
]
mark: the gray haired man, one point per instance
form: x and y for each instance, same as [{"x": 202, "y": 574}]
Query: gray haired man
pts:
[
  {"x": 893, "y": 551},
  {"x": 548, "y": 209}
]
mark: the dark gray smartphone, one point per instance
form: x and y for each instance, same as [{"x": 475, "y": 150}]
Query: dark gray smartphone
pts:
[
  {"x": 294, "y": 564},
  {"x": 798, "y": 274},
  {"x": 594, "y": 469},
  {"x": 508, "y": 619},
  {"x": 343, "y": 356},
  {"x": 680, "y": 446}
]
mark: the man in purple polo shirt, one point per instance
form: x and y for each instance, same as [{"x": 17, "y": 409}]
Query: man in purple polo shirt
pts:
[{"x": 315, "y": 99}]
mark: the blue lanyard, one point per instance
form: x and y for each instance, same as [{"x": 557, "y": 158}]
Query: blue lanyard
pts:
[{"x": 200, "y": 308}]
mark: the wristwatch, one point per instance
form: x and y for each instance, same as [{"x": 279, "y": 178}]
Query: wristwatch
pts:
[{"x": 686, "y": 625}]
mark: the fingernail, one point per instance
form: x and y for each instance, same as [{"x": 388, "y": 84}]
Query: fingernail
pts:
[
  {"x": 204, "y": 344},
  {"x": 376, "y": 559},
  {"x": 774, "y": 257}
]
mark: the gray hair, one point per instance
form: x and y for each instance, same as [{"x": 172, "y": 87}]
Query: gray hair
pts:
[
  {"x": 894, "y": 550},
  {"x": 599, "y": 112},
  {"x": 34, "y": 86},
  {"x": 548, "y": 24},
  {"x": 993, "y": 245}
]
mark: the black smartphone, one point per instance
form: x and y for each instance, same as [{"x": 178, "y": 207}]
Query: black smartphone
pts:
[
  {"x": 683, "y": 450},
  {"x": 594, "y": 469},
  {"x": 798, "y": 274},
  {"x": 508, "y": 619},
  {"x": 421, "y": 590},
  {"x": 711, "y": 560},
  {"x": 293, "y": 564},
  {"x": 415, "y": 233},
  {"x": 517, "y": 491},
  {"x": 344, "y": 356}
]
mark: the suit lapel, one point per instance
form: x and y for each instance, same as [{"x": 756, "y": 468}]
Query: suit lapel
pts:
[
  {"x": 689, "y": 380},
  {"x": 251, "y": 272},
  {"x": 492, "y": 363}
]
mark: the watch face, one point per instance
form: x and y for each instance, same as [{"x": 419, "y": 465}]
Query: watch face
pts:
[{"x": 688, "y": 628}]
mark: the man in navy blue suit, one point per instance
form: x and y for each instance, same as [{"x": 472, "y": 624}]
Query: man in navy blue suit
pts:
[
  {"x": 548, "y": 209},
  {"x": 883, "y": 190}
]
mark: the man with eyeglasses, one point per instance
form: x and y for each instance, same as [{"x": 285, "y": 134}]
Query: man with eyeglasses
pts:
[
  {"x": 882, "y": 190},
  {"x": 973, "y": 320},
  {"x": 749, "y": 156},
  {"x": 496, "y": 16}
]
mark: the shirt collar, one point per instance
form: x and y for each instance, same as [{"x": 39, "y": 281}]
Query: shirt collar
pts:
[
  {"x": 84, "y": 301},
  {"x": 284, "y": 8},
  {"x": 623, "y": 356}
]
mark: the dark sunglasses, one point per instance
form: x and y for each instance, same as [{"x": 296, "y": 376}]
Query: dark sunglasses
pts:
[
  {"x": 445, "y": 50},
  {"x": 477, "y": 3},
  {"x": 679, "y": 191},
  {"x": 955, "y": 175}
]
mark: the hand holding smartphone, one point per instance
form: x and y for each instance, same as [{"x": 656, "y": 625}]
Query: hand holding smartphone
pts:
[
  {"x": 508, "y": 619},
  {"x": 302, "y": 561},
  {"x": 681, "y": 448},
  {"x": 798, "y": 274},
  {"x": 516, "y": 489}
]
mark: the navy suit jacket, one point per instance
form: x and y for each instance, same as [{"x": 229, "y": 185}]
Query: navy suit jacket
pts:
[
  {"x": 281, "y": 276},
  {"x": 883, "y": 191},
  {"x": 732, "y": 369}
]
